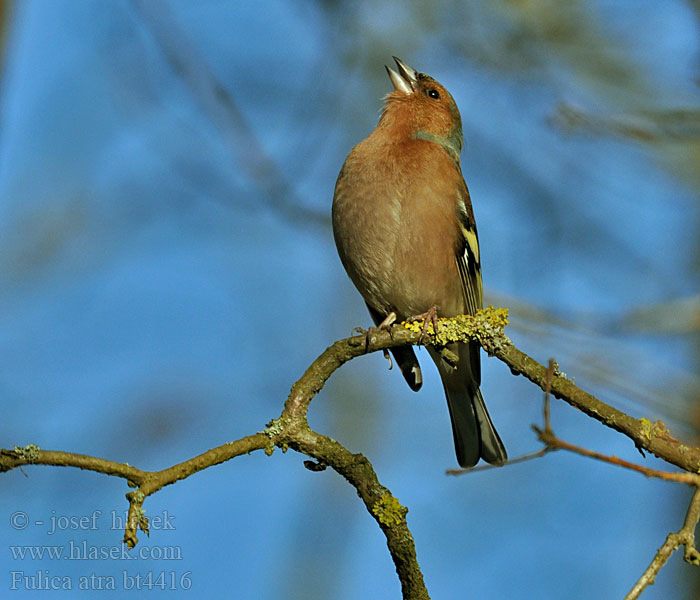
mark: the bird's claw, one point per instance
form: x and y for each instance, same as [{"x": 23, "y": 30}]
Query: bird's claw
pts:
[
  {"x": 385, "y": 325},
  {"x": 388, "y": 357},
  {"x": 429, "y": 316}
]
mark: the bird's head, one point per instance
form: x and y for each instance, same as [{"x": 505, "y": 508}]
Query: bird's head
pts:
[{"x": 422, "y": 108}]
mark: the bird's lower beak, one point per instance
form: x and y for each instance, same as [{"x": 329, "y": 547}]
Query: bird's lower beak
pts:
[{"x": 406, "y": 78}]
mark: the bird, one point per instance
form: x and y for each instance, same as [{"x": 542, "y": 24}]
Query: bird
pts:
[{"x": 405, "y": 232}]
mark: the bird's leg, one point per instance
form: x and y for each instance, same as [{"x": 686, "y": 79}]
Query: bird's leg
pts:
[
  {"x": 429, "y": 316},
  {"x": 388, "y": 321},
  {"x": 386, "y": 325}
]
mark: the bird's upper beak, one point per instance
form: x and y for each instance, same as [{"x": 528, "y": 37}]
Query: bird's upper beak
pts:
[{"x": 405, "y": 80}]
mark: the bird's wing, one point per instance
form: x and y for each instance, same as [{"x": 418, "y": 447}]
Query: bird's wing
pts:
[{"x": 468, "y": 258}]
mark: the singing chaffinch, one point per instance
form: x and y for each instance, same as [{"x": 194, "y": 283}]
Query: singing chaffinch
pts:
[{"x": 405, "y": 232}]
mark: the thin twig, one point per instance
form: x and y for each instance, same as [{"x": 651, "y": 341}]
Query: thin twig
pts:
[
  {"x": 291, "y": 430},
  {"x": 652, "y": 437},
  {"x": 554, "y": 443},
  {"x": 547, "y": 427},
  {"x": 684, "y": 537},
  {"x": 512, "y": 461}
]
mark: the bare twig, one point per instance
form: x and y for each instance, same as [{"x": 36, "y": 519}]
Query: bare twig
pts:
[
  {"x": 685, "y": 537},
  {"x": 552, "y": 442},
  {"x": 652, "y": 437},
  {"x": 513, "y": 461},
  {"x": 547, "y": 427}
]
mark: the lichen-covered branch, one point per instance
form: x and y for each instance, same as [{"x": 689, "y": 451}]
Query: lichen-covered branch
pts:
[
  {"x": 291, "y": 430},
  {"x": 487, "y": 328},
  {"x": 652, "y": 437}
]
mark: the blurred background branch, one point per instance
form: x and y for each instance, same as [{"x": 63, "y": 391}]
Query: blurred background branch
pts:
[{"x": 219, "y": 105}]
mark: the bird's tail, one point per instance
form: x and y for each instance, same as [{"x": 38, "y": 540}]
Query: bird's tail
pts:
[
  {"x": 474, "y": 433},
  {"x": 408, "y": 365},
  {"x": 492, "y": 449}
]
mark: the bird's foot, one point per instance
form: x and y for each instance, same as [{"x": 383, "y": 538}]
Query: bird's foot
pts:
[
  {"x": 385, "y": 325},
  {"x": 429, "y": 316},
  {"x": 388, "y": 357}
]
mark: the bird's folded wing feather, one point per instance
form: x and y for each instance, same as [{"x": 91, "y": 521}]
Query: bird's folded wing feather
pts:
[{"x": 468, "y": 259}]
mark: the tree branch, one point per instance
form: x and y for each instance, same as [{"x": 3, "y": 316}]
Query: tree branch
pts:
[
  {"x": 291, "y": 430},
  {"x": 684, "y": 537},
  {"x": 552, "y": 442}
]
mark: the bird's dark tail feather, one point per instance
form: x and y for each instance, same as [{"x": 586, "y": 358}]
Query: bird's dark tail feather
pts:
[
  {"x": 474, "y": 434},
  {"x": 408, "y": 364},
  {"x": 492, "y": 449}
]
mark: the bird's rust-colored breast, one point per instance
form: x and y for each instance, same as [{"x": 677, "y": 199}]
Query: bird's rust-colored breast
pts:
[{"x": 395, "y": 227}]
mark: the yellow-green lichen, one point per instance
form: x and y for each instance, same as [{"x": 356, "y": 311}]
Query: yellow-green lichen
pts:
[
  {"x": 388, "y": 510},
  {"x": 650, "y": 429},
  {"x": 30, "y": 452},
  {"x": 486, "y": 326},
  {"x": 274, "y": 427},
  {"x": 557, "y": 372},
  {"x": 141, "y": 519}
]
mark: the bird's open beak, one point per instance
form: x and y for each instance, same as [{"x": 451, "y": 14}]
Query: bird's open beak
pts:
[{"x": 405, "y": 80}]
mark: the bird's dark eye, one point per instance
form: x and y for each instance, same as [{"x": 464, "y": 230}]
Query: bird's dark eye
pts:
[{"x": 433, "y": 93}]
